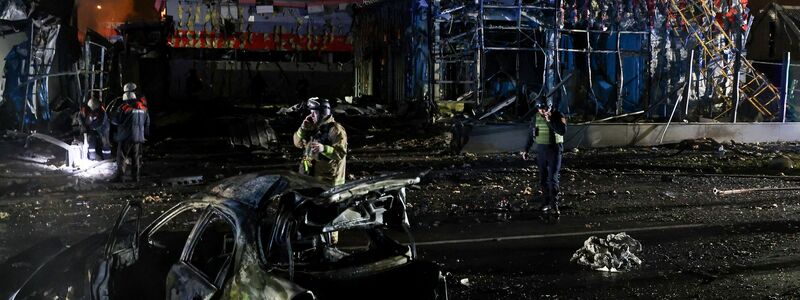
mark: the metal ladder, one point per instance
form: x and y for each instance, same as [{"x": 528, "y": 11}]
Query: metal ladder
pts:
[
  {"x": 700, "y": 22},
  {"x": 94, "y": 68}
]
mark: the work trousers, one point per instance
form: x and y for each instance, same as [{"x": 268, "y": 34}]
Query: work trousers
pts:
[
  {"x": 548, "y": 159},
  {"x": 129, "y": 151},
  {"x": 99, "y": 146}
]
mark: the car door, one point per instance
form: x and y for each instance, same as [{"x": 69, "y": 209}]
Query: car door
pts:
[
  {"x": 136, "y": 265},
  {"x": 206, "y": 260},
  {"x": 121, "y": 249}
]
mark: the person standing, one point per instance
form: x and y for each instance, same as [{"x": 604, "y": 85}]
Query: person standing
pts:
[
  {"x": 325, "y": 147},
  {"x": 324, "y": 142},
  {"x": 133, "y": 126},
  {"x": 549, "y": 128}
]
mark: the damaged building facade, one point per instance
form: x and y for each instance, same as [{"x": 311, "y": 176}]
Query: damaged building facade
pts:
[
  {"x": 620, "y": 56},
  {"x": 262, "y": 54},
  {"x": 36, "y": 44},
  {"x": 655, "y": 60},
  {"x": 676, "y": 155}
]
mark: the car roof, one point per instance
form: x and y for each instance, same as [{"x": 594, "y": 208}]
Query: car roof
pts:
[{"x": 258, "y": 189}]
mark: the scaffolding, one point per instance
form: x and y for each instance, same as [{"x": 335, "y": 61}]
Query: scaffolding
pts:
[
  {"x": 464, "y": 34},
  {"x": 39, "y": 62},
  {"x": 691, "y": 51}
]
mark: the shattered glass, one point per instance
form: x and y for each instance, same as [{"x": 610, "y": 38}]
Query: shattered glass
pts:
[{"x": 617, "y": 252}]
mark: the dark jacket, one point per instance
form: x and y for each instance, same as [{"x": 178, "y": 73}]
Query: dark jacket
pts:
[
  {"x": 94, "y": 121},
  {"x": 329, "y": 165},
  {"x": 133, "y": 122}
]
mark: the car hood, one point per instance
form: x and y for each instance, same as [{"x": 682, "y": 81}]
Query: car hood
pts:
[
  {"x": 383, "y": 183},
  {"x": 259, "y": 189}
]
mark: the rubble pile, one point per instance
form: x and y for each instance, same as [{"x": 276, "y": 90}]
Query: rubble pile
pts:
[{"x": 614, "y": 253}]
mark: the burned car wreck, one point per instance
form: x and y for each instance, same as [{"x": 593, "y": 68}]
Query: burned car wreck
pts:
[{"x": 254, "y": 236}]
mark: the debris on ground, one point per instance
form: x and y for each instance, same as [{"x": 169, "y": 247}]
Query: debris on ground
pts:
[
  {"x": 185, "y": 180},
  {"x": 614, "y": 253},
  {"x": 157, "y": 197},
  {"x": 781, "y": 163},
  {"x": 464, "y": 282},
  {"x": 3, "y": 215},
  {"x": 254, "y": 131},
  {"x": 719, "y": 192},
  {"x": 353, "y": 110}
]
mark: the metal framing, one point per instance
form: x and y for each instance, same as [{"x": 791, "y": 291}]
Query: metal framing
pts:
[
  {"x": 716, "y": 45},
  {"x": 95, "y": 70},
  {"x": 37, "y": 68},
  {"x": 466, "y": 31}
]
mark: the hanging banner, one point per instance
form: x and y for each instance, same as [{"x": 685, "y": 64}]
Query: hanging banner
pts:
[
  {"x": 229, "y": 12},
  {"x": 315, "y": 9},
  {"x": 265, "y": 9},
  {"x": 256, "y": 41}
]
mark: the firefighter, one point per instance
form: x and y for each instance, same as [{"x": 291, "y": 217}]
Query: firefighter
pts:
[
  {"x": 133, "y": 126},
  {"x": 549, "y": 128},
  {"x": 96, "y": 126},
  {"x": 324, "y": 142},
  {"x": 325, "y": 148}
]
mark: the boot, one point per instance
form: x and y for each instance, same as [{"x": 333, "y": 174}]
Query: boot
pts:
[
  {"x": 547, "y": 201},
  {"x": 555, "y": 201}
]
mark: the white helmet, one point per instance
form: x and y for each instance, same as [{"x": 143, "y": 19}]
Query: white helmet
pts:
[
  {"x": 93, "y": 104},
  {"x": 128, "y": 96},
  {"x": 129, "y": 87}
]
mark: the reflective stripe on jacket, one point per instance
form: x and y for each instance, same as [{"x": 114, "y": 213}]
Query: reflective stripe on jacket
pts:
[{"x": 330, "y": 165}]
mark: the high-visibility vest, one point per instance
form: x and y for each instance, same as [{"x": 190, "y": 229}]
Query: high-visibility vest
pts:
[{"x": 543, "y": 134}]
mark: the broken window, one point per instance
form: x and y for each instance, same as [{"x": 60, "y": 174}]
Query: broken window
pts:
[
  {"x": 306, "y": 249},
  {"x": 172, "y": 232},
  {"x": 146, "y": 277},
  {"x": 213, "y": 250}
]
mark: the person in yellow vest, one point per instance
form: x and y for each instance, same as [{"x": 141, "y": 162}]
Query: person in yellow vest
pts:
[
  {"x": 324, "y": 142},
  {"x": 549, "y": 128}
]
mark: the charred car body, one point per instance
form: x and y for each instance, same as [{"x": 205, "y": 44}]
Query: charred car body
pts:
[{"x": 255, "y": 236}]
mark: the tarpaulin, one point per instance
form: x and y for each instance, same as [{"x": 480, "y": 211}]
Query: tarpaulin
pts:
[
  {"x": 13, "y": 10},
  {"x": 41, "y": 61},
  {"x": 633, "y": 73},
  {"x": 14, "y": 93},
  {"x": 26, "y": 84},
  {"x": 417, "y": 82},
  {"x": 606, "y": 72}
]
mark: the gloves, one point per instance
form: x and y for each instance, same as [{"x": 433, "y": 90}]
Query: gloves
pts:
[{"x": 308, "y": 123}]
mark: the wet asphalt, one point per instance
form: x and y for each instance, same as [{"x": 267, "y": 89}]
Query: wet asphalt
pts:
[{"x": 475, "y": 215}]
